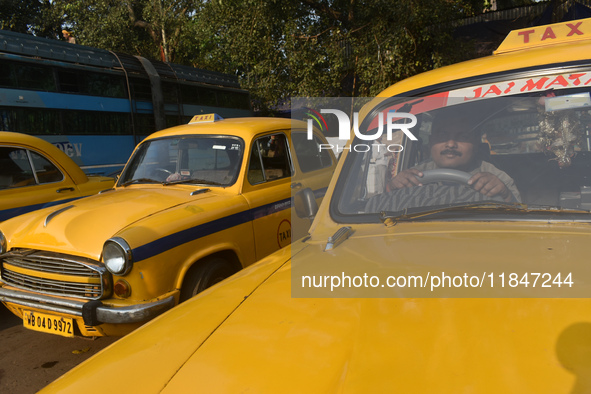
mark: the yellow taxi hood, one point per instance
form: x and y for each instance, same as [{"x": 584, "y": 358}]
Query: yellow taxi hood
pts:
[
  {"x": 274, "y": 343},
  {"x": 84, "y": 225}
]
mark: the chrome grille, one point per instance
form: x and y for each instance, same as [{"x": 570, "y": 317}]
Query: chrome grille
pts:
[{"x": 55, "y": 274}]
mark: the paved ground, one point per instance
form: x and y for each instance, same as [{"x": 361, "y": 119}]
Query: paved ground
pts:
[{"x": 30, "y": 360}]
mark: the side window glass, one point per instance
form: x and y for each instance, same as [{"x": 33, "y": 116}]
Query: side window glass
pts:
[
  {"x": 309, "y": 154},
  {"x": 15, "y": 168},
  {"x": 255, "y": 167},
  {"x": 45, "y": 170},
  {"x": 269, "y": 159}
]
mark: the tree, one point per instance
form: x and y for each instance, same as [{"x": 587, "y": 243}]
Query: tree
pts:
[
  {"x": 149, "y": 28},
  {"x": 32, "y": 17},
  {"x": 325, "y": 47}
]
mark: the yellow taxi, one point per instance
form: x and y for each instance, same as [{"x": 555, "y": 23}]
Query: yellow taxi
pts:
[
  {"x": 35, "y": 174},
  {"x": 194, "y": 204},
  {"x": 464, "y": 269}
]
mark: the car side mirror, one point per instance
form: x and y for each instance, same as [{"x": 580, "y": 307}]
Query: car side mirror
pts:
[{"x": 305, "y": 204}]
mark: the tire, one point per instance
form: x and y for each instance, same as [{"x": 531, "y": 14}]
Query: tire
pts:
[{"x": 206, "y": 274}]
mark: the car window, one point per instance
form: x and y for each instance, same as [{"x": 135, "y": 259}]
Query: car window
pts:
[
  {"x": 523, "y": 143},
  {"x": 211, "y": 160},
  {"x": 45, "y": 170},
  {"x": 16, "y": 168},
  {"x": 308, "y": 153},
  {"x": 269, "y": 159}
]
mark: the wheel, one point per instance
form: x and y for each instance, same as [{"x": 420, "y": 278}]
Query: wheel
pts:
[{"x": 206, "y": 274}]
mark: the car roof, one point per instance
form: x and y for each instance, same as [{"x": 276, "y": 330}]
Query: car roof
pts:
[
  {"x": 510, "y": 56},
  {"x": 246, "y": 127}
]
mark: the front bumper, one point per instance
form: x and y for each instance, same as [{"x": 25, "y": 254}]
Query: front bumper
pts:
[{"x": 93, "y": 313}]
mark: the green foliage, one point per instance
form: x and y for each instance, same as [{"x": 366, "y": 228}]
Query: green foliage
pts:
[
  {"x": 325, "y": 47},
  {"x": 31, "y": 16}
]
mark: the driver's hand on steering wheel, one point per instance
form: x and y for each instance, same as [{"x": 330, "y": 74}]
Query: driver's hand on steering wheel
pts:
[
  {"x": 173, "y": 177},
  {"x": 489, "y": 185},
  {"x": 406, "y": 178}
]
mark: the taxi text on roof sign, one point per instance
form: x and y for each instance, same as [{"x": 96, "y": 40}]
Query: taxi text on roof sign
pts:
[
  {"x": 205, "y": 118},
  {"x": 557, "y": 33}
]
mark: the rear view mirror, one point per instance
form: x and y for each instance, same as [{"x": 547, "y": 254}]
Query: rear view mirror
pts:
[{"x": 305, "y": 204}]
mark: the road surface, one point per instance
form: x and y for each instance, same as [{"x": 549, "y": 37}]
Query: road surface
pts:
[{"x": 30, "y": 360}]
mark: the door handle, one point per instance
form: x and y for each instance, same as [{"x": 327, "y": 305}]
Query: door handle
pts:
[
  {"x": 296, "y": 185},
  {"x": 65, "y": 189}
]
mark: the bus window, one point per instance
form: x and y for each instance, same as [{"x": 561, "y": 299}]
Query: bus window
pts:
[
  {"x": 30, "y": 120},
  {"x": 140, "y": 89},
  {"x": 170, "y": 93},
  {"x": 68, "y": 81},
  {"x": 35, "y": 77},
  {"x": 97, "y": 84},
  {"x": 232, "y": 99},
  {"x": 207, "y": 96},
  {"x": 7, "y": 77},
  {"x": 189, "y": 94}
]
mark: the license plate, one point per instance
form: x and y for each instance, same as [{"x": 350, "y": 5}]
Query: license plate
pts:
[{"x": 48, "y": 323}]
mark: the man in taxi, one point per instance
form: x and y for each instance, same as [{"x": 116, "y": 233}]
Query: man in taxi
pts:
[{"x": 454, "y": 145}]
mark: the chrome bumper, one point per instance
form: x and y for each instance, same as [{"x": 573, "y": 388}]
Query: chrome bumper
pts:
[{"x": 93, "y": 312}]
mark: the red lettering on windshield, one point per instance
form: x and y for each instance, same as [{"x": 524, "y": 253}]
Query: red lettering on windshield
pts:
[
  {"x": 531, "y": 85},
  {"x": 492, "y": 90},
  {"x": 477, "y": 93},
  {"x": 511, "y": 84},
  {"x": 559, "y": 80},
  {"x": 576, "y": 78}
]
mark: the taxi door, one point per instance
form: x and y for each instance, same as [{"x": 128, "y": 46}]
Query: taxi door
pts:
[
  {"x": 267, "y": 188},
  {"x": 314, "y": 164}
]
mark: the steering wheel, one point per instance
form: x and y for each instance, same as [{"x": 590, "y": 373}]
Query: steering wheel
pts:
[
  {"x": 158, "y": 171},
  {"x": 419, "y": 197},
  {"x": 445, "y": 175}
]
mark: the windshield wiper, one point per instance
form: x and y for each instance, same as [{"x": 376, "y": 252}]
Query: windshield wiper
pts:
[
  {"x": 415, "y": 212},
  {"x": 494, "y": 208},
  {"x": 196, "y": 181},
  {"x": 140, "y": 180}
]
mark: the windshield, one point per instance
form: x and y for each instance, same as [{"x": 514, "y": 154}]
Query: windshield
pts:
[
  {"x": 521, "y": 144},
  {"x": 208, "y": 160}
]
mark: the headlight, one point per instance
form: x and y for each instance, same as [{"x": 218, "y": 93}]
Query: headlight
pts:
[
  {"x": 3, "y": 244},
  {"x": 117, "y": 256}
]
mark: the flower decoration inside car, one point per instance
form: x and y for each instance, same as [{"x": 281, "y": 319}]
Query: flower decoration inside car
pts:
[{"x": 560, "y": 133}]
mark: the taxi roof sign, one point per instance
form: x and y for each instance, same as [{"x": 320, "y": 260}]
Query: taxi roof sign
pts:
[
  {"x": 205, "y": 118},
  {"x": 538, "y": 36}
]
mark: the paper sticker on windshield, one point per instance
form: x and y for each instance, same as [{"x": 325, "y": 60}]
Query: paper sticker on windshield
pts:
[
  {"x": 222, "y": 147},
  {"x": 519, "y": 86},
  {"x": 567, "y": 102}
]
